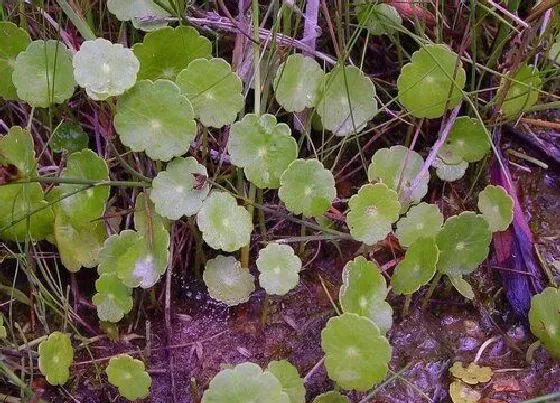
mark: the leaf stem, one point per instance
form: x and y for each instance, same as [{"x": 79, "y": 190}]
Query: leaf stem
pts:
[
  {"x": 77, "y": 20},
  {"x": 78, "y": 181},
  {"x": 431, "y": 290},
  {"x": 251, "y": 209}
]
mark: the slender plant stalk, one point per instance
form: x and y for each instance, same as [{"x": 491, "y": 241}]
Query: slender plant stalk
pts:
[
  {"x": 77, "y": 20},
  {"x": 431, "y": 290}
]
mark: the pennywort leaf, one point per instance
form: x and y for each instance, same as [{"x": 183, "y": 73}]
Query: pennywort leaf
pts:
[
  {"x": 544, "y": 319},
  {"x": 417, "y": 268},
  {"x": 422, "y": 221},
  {"x": 13, "y": 40},
  {"x": 227, "y": 281},
  {"x": 113, "y": 299},
  {"x": 467, "y": 141},
  {"x": 279, "y": 268},
  {"x": 288, "y": 375},
  {"x": 496, "y": 206},
  {"x": 55, "y": 356},
  {"x": 129, "y": 376},
  {"x": 135, "y": 10},
  {"x": 521, "y": 93}
]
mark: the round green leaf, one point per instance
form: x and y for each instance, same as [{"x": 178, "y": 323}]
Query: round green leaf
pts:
[
  {"x": 135, "y": 10},
  {"x": 279, "y": 268},
  {"x": 297, "y": 82},
  {"x": 84, "y": 207},
  {"x": 16, "y": 148},
  {"x": 346, "y": 100},
  {"x": 523, "y": 91},
  {"x": 105, "y": 69},
  {"x": 292, "y": 383},
  {"x": 55, "y": 356},
  {"x": 464, "y": 243},
  {"x": 372, "y": 211},
  {"x": 114, "y": 247},
  {"x": 430, "y": 82},
  {"x": 13, "y": 40},
  {"x": 263, "y": 148},
  {"x": 467, "y": 141},
  {"x": 78, "y": 246},
  {"x": 214, "y": 91},
  {"x": 363, "y": 292},
  {"x": 245, "y": 383},
  {"x": 223, "y": 223},
  {"x": 449, "y": 173},
  {"x": 155, "y": 117},
  {"x": 19, "y": 201},
  {"x": 417, "y": 268},
  {"x": 396, "y": 166},
  {"x": 378, "y": 19},
  {"x": 331, "y": 397},
  {"x": 307, "y": 187},
  {"x": 129, "y": 376},
  {"x": 227, "y": 281},
  {"x": 43, "y": 74},
  {"x": 422, "y": 221},
  {"x": 356, "y": 354},
  {"x": 167, "y": 51},
  {"x": 496, "y": 206},
  {"x": 69, "y": 137},
  {"x": 113, "y": 299},
  {"x": 180, "y": 189},
  {"x": 544, "y": 319}
]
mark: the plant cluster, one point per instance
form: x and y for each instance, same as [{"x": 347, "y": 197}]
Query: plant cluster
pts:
[{"x": 167, "y": 93}]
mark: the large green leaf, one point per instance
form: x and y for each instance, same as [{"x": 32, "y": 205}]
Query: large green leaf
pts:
[
  {"x": 43, "y": 74},
  {"x": 167, "y": 51},
  {"x": 346, "y": 100},
  {"x": 214, "y": 91},
  {"x": 432, "y": 82},
  {"x": 467, "y": 141},
  {"x": 155, "y": 117},
  {"x": 288, "y": 375},
  {"x": 263, "y": 148},
  {"x": 496, "y": 206}
]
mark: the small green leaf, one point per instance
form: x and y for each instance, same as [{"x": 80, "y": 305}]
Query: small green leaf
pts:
[
  {"x": 467, "y": 141},
  {"x": 43, "y": 74},
  {"x": 263, "y": 148},
  {"x": 78, "y": 247},
  {"x": 155, "y": 117},
  {"x": 397, "y": 167},
  {"x": 279, "y": 268},
  {"x": 356, "y": 354},
  {"x": 180, "y": 189},
  {"x": 464, "y": 243},
  {"x": 244, "y": 383},
  {"x": 422, "y": 221},
  {"x": 55, "y": 356},
  {"x": 372, "y": 211},
  {"x": 88, "y": 205},
  {"x": 378, "y": 19},
  {"x": 3, "y": 331},
  {"x": 105, "y": 69},
  {"x": 227, "y": 281},
  {"x": 472, "y": 374},
  {"x": 167, "y": 51},
  {"x": 449, "y": 173},
  {"x": 69, "y": 137},
  {"x": 113, "y": 299},
  {"x": 292, "y": 383},
  {"x": 363, "y": 292},
  {"x": 223, "y": 223},
  {"x": 134, "y": 10},
  {"x": 331, "y": 397},
  {"x": 19, "y": 202},
  {"x": 129, "y": 376},
  {"x": 297, "y": 82},
  {"x": 544, "y": 319},
  {"x": 496, "y": 206},
  {"x": 462, "y": 286},
  {"x": 307, "y": 187},
  {"x": 461, "y": 393},
  {"x": 16, "y": 148},
  {"x": 13, "y": 40},
  {"x": 417, "y": 268},
  {"x": 214, "y": 91},
  {"x": 522, "y": 93},
  {"x": 346, "y": 100},
  {"x": 430, "y": 83}
]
